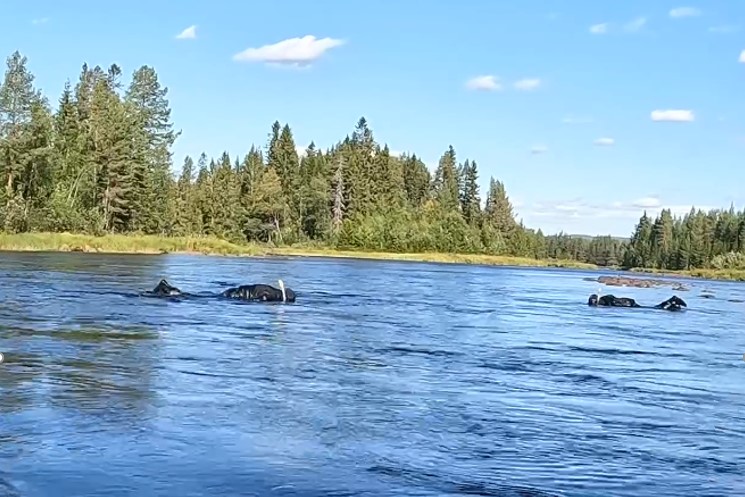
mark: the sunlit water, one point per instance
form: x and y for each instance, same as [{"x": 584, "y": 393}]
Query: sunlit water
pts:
[{"x": 383, "y": 379}]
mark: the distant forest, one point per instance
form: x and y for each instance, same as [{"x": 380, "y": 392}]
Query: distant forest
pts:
[{"x": 102, "y": 161}]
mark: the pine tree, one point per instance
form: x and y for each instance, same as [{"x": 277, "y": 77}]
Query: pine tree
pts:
[
  {"x": 154, "y": 135},
  {"x": 112, "y": 142},
  {"x": 338, "y": 195},
  {"x": 417, "y": 180},
  {"x": 470, "y": 200},
  {"x": 102, "y": 162},
  {"x": 268, "y": 205},
  {"x": 19, "y": 106},
  {"x": 446, "y": 181},
  {"x": 498, "y": 212}
]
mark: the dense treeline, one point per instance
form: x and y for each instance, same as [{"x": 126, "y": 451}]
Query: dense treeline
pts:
[
  {"x": 101, "y": 162},
  {"x": 698, "y": 239}
]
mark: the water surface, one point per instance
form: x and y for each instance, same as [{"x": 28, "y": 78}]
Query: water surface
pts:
[{"x": 385, "y": 378}]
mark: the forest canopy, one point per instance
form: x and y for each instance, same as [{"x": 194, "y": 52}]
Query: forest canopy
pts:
[{"x": 101, "y": 162}]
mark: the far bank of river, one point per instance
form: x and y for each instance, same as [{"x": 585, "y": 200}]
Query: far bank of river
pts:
[{"x": 148, "y": 244}]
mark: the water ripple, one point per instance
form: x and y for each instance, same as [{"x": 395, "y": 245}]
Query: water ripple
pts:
[{"x": 519, "y": 389}]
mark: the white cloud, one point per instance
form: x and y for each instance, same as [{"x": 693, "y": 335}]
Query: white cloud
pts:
[
  {"x": 538, "y": 149},
  {"x": 188, "y": 34},
  {"x": 636, "y": 24},
  {"x": 484, "y": 83},
  {"x": 742, "y": 57},
  {"x": 42, "y": 20},
  {"x": 292, "y": 51},
  {"x": 599, "y": 29},
  {"x": 577, "y": 120},
  {"x": 724, "y": 28},
  {"x": 684, "y": 12},
  {"x": 527, "y": 84},
  {"x": 672, "y": 115},
  {"x": 647, "y": 202},
  {"x": 568, "y": 207},
  {"x": 488, "y": 82},
  {"x": 578, "y": 208},
  {"x": 301, "y": 151},
  {"x": 605, "y": 142}
]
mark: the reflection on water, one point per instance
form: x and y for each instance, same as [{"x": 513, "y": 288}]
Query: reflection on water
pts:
[
  {"x": 16, "y": 372},
  {"x": 512, "y": 388},
  {"x": 69, "y": 376}
]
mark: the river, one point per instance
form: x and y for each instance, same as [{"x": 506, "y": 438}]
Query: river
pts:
[{"x": 383, "y": 379}]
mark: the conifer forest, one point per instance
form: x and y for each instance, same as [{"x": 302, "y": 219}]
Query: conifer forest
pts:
[{"x": 100, "y": 161}]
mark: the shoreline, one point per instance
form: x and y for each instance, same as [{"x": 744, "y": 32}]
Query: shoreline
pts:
[{"x": 155, "y": 245}]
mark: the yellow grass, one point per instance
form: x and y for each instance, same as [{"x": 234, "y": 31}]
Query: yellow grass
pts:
[
  {"x": 120, "y": 244},
  {"x": 490, "y": 260},
  {"x": 147, "y": 244}
]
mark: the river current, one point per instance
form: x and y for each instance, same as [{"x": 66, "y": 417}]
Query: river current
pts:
[{"x": 383, "y": 379}]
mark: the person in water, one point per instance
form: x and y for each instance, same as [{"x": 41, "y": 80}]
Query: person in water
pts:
[{"x": 674, "y": 303}]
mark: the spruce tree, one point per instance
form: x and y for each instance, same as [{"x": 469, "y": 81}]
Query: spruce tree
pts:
[{"x": 102, "y": 162}]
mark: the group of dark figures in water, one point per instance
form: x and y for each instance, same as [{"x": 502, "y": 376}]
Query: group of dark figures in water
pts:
[
  {"x": 674, "y": 303},
  {"x": 266, "y": 293},
  {"x": 259, "y": 292}
]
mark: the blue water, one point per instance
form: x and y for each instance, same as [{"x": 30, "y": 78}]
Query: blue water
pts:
[{"x": 384, "y": 379}]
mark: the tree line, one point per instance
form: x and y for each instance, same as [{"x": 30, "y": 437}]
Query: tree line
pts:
[
  {"x": 101, "y": 162},
  {"x": 696, "y": 240}
]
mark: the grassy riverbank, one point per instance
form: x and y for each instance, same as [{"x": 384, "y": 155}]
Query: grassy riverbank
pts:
[
  {"x": 489, "y": 260},
  {"x": 120, "y": 244},
  {"x": 130, "y": 244},
  {"x": 702, "y": 273},
  {"x": 146, "y": 244}
]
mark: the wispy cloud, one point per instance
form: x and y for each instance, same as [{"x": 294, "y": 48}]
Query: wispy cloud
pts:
[
  {"x": 679, "y": 12},
  {"x": 631, "y": 210},
  {"x": 187, "y": 34},
  {"x": 606, "y": 27},
  {"x": 650, "y": 202},
  {"x": 488, "y": 82},
  {"x": 538, "y": 149},
  {"x": 292, "y": 51},
  {"x": 527, "y": 84},
  {"x": 742, "y": 57},
  {"x": 672, "y": 115},
  {"x": 484, "y": 83},
  {"x": 635, "y": 25},
  {"x": 41, "y": 20},
  {"x": 605, "y": 142},
  {"x": 577, "y": 120},
  {"x": 724, "y": 29},
  {"x": 599, "y": 29}
]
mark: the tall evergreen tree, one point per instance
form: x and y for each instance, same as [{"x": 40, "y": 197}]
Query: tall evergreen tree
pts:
[
  {"x": 103, "y": 162},
  {"x": 446, "y": 186},
  {"x": 470, "y": 200}
]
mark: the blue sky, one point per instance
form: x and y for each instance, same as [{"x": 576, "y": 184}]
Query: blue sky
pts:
[{"x": 588, "y": 111}]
